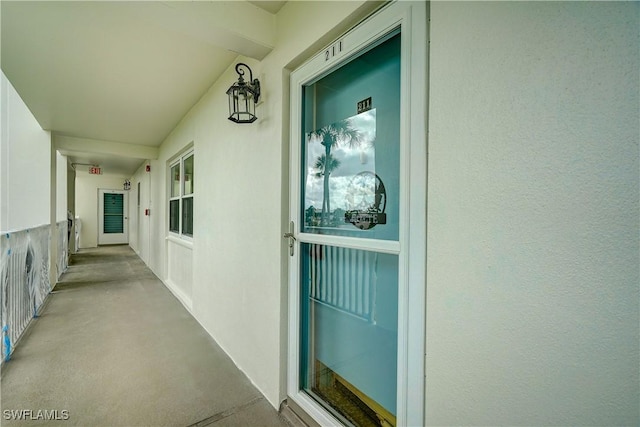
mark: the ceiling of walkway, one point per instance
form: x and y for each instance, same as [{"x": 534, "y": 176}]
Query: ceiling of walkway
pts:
[{"x": 124, "y": 72}]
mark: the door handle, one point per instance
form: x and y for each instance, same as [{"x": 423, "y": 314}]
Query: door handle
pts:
[{"x": 291, "y": 237}]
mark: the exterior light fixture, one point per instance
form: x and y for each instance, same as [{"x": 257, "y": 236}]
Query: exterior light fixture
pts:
[
  {"x": 243, "y": 97},
  {"x": 127, "y": 185}
]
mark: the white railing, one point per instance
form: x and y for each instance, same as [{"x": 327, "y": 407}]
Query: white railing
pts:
[
  {"x": 63, "y": 247},
  {"x": 24, "y": 281},
  {"x": 344, "y": 279},
  {"x": 77, "y": 229}
]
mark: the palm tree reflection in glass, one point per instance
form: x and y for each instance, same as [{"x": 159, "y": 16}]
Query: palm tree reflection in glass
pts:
[{"x": 333, "y": 136}]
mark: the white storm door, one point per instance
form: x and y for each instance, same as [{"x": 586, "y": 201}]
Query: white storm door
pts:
[
  {"x": 113, "y": 221},
  {"x": 358, "y": 224}
]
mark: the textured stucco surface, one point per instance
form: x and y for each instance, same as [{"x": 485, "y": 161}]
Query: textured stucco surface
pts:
[
  {"x": 533, "y": 272},
  {"x": 25, "y": 164},
  {"x": 238, "y": 293}
]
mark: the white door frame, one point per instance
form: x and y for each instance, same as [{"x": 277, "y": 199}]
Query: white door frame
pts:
[
  {"x": 113, "y": 238},
  {"x": 411, "y": 17},
  {"x": 144, "y": 236}
]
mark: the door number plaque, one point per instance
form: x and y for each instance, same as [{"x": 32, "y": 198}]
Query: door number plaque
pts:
[{"x": 364, "y": 105}]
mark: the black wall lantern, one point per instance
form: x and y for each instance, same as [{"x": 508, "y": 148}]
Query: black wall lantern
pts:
[{"x": 243, "y": 97}]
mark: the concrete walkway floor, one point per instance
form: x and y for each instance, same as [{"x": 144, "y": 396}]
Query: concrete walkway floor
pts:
[{"x": 113, "y": 347}]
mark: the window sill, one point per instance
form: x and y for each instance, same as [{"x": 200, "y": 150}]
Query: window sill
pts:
[{"x": 187, "y": 242}]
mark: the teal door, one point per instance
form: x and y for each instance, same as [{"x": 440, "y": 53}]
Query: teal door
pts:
[
  {"x": 113, "y": 213},
  {"x": 349, "y": 216},
  {"x": 113, "y": 217},
  {"x": 357, "y": 232}
]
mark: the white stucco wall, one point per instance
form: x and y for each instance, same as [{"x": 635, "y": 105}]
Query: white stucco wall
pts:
[
  {"x": 138, "y": 221},
  {"x": 238, "y": 285},
  {"x": 4, "y": 146},
  {"x": 25, "y": 165},
  {"x": 61, "y": 187},
  {"x": 533, "y": 272},
  {"x": 71, "y": 202},
  {"x": 87, "y": 202}
]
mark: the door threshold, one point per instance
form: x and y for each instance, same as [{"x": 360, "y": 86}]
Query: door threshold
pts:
[{"x": 295, "y": 416}]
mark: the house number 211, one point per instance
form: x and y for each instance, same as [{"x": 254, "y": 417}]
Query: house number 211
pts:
[{"x": 333, "y": 50}]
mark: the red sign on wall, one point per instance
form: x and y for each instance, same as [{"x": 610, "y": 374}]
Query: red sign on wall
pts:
[{"x": 94, "y": 170}]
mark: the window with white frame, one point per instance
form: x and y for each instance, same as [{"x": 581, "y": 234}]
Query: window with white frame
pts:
[{"x": 181, "y": 195}]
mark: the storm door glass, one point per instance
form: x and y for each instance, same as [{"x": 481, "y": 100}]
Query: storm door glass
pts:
[
  {"x": 350, "y": 184},
  {"x": 351, "y": 150}
]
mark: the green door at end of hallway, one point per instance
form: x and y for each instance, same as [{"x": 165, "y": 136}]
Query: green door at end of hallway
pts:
[{"x": 112, "y": 217}]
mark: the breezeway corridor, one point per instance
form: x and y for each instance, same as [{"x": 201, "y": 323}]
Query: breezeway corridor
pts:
[
  {"x": 368, "y": 213},
  {"x": 114, "y": 347}
]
